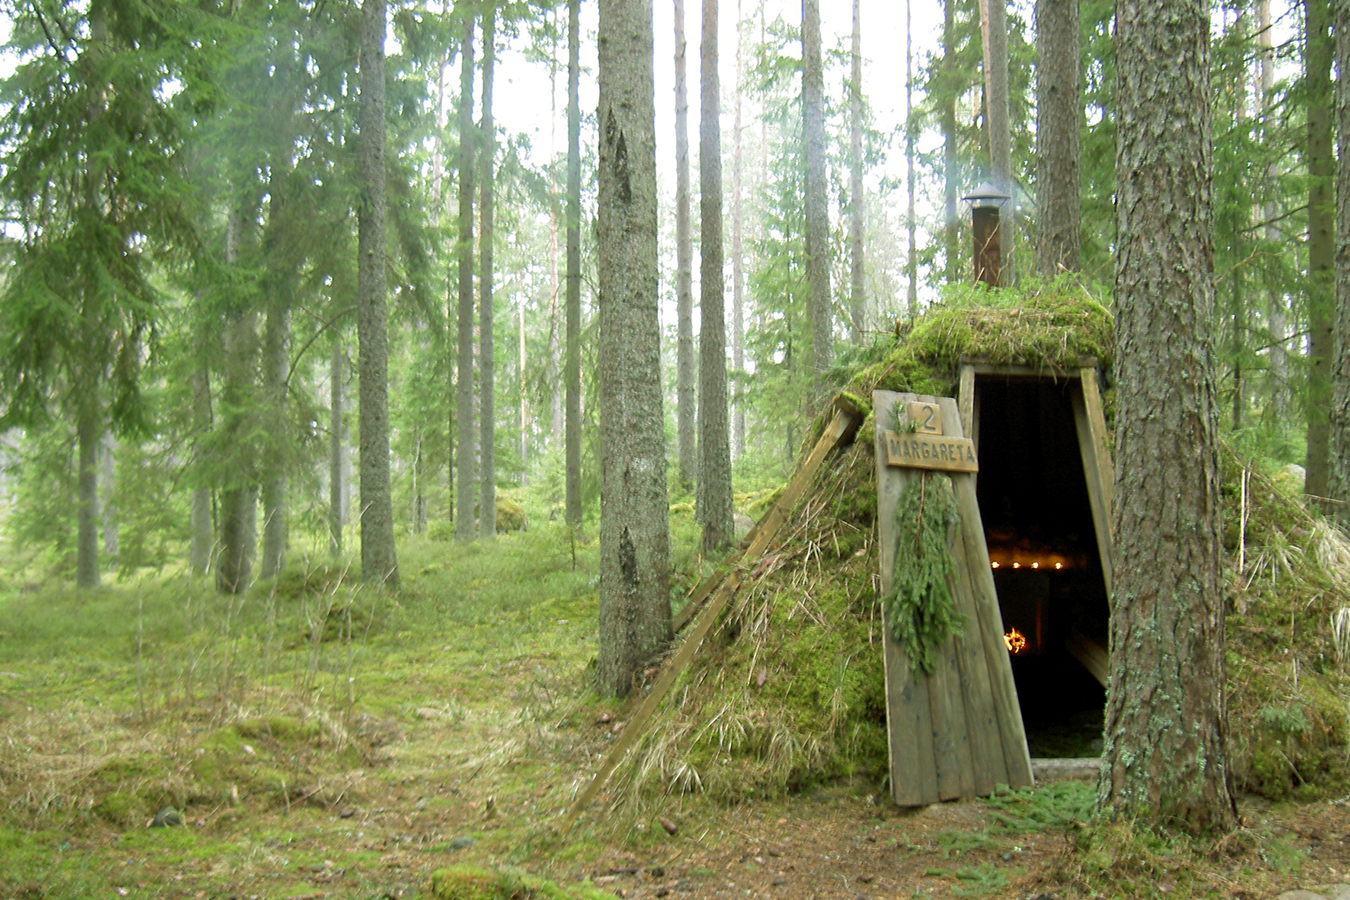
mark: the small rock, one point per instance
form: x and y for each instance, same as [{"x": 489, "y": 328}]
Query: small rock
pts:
[
  {"x": 668, "y": 825},
  {"x": 462, "y": 842},
  {"x": 1338, "y": 892},
  {"x": 346, "y": 814},
  {"x": 1300, "y": 895},
  {"x": 167, "y": 817}
]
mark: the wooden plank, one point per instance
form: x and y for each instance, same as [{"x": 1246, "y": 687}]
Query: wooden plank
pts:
[
  {"x": 844, "y": 422},
  {"x": 947, "y": 705},
  {"x": 776, "y": 517},
  {"x": 1020, "y": 370},
  {"x": 965, "y": 398},
  {"x": 1092, "y": 399},
  {"x": 1091, "y": 446},
  {"x": 988, "y": 767},
  {"x": 1091, "y": 654},
  {"x": 909, "y": 724},
  {"x": 1002, "y": 690},
  {"x": 942, "y": 453}
]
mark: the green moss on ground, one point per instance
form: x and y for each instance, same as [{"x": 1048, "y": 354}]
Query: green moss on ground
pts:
[{"x": 465, "y": 882}]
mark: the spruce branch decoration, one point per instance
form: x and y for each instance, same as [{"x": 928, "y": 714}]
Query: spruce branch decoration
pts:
[{"x": 920, "y": 610}]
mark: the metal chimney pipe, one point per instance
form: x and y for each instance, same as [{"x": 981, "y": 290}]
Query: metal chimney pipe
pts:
[{"x": 985, "y": 202}]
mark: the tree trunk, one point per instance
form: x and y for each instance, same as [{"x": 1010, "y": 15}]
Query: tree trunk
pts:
[
  {"x": 379, "y": 562},
  {"x": 487, "y": 492},
  {"x": 1339, "y": 415},
  {"x": 857, "y": 212},
  {"x": 572, "y": 375},
  {"x": 817, "y": 200},
  {"x": 994, "y": 37},
  {"x": 468, "y": 454},
  {"x": 686, "y": 401},
  {"x": 1166, "y": 733},
  {"x": 713, "y": 502},
  {"x": 238, "y": 488},
  {"x": 89, "y": 431},
  {"x": 1321, "y": 243},
  {"x": 1059, "y": 125},
  {"x": 911, "y": 130},
  {"x": 524, "y": 406},
  {"x": 200, "y": 525},
  {"x": 337, "y": 447},
  {"x": 738, "y": 252},
  {"x": 951, "y": 173},
  {"x": 634, "y": 520},
  {"x": 107, "y": 466},
  {"x": 1279, "y": 352},
  {"x": 276, "y": 366},
  {"x": 994, "y": 34}
]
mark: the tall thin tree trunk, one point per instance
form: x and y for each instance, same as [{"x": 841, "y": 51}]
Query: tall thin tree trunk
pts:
[
  {"x": 714, "y": 501},
  {"x": 1321, "y": 243},
  {"x": 1165, "y": 756},
  {"x": 1339, "y": 416},
  {"x": 737, "y": 249},
  {"x": 686, "y": 401},
  {"x": 276, "y": 368},
  {"x": 817, "y": 201},
  {"x": 573, "y": 364},
  {"x": 107, "y": 470},
  {"x": 994, "y": 34},
  {"x": 911, "y": 221},
  {"x": 634, "y": 518},
  {"x": 524, "y": 407},
  {"x": 1275, "y": 302},
  {"x": 857, "y": 211},
  {"x": 951, "y": 177},
  {"x": 487, "y": 384},
  {"x": 1059, "y": 125},
  {"x": 337, "y": 446},
  {"x": 238, "y": 490},
  {"x": 379, "y": 562},
  {"x": 199, "y": 549},
  {"x": 89, "y": 431},
  {"x": 465, "y": 479}
]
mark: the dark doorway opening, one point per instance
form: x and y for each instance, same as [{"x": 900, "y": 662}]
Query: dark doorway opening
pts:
[{"x": 1038, "y": 523}]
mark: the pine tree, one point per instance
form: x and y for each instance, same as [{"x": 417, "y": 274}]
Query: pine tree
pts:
[
  {"x": 1321, "y": 241},
  {"x": 1059, "y": 124},
  {"x": 1166, "y": 734},
  {"x": 572, "y": 373},
  {"x": 487, "y": 491},
  {"x": 714, "y": 501},
  {"x": 634, "y": 520},
  {"x": 93, "y": 171},
  {"x": 686, "y": 402},
  {"x": 817, "y": 202},
  {"x": 379, "y": 562},
  {"x": 466, "y": 449}
]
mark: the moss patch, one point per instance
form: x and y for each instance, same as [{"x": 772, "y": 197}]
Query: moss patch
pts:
[{"x": 465, "y": 882}]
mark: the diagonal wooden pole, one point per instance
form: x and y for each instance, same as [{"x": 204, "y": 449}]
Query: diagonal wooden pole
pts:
[{"x": 847, "y": 418}]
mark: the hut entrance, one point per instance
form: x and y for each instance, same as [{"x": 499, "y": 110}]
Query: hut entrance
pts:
[{"x": 1044, "y": 490}]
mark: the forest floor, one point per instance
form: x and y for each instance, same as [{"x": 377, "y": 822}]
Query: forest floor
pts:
[{"x": 318, "y": 741}]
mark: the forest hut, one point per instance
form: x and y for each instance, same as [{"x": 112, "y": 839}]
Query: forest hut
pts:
[{"x": 789, "y": 688}]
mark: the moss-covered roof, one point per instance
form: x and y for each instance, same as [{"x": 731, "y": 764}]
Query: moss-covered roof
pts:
[{"x": 790, "y": 689}]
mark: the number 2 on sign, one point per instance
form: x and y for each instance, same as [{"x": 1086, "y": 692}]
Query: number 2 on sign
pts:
[{"x": 926, "y": 417}]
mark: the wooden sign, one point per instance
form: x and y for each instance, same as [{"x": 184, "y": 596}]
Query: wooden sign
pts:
[{"x": 920, "y": 450}]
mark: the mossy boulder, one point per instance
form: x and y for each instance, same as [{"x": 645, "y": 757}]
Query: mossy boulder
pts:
[
  {"x": 510, "y": 514},
  {"x": 465, "y": 882}
]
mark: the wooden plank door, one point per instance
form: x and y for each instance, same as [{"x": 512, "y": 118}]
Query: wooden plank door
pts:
[{"x": 957, "y": 732}]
